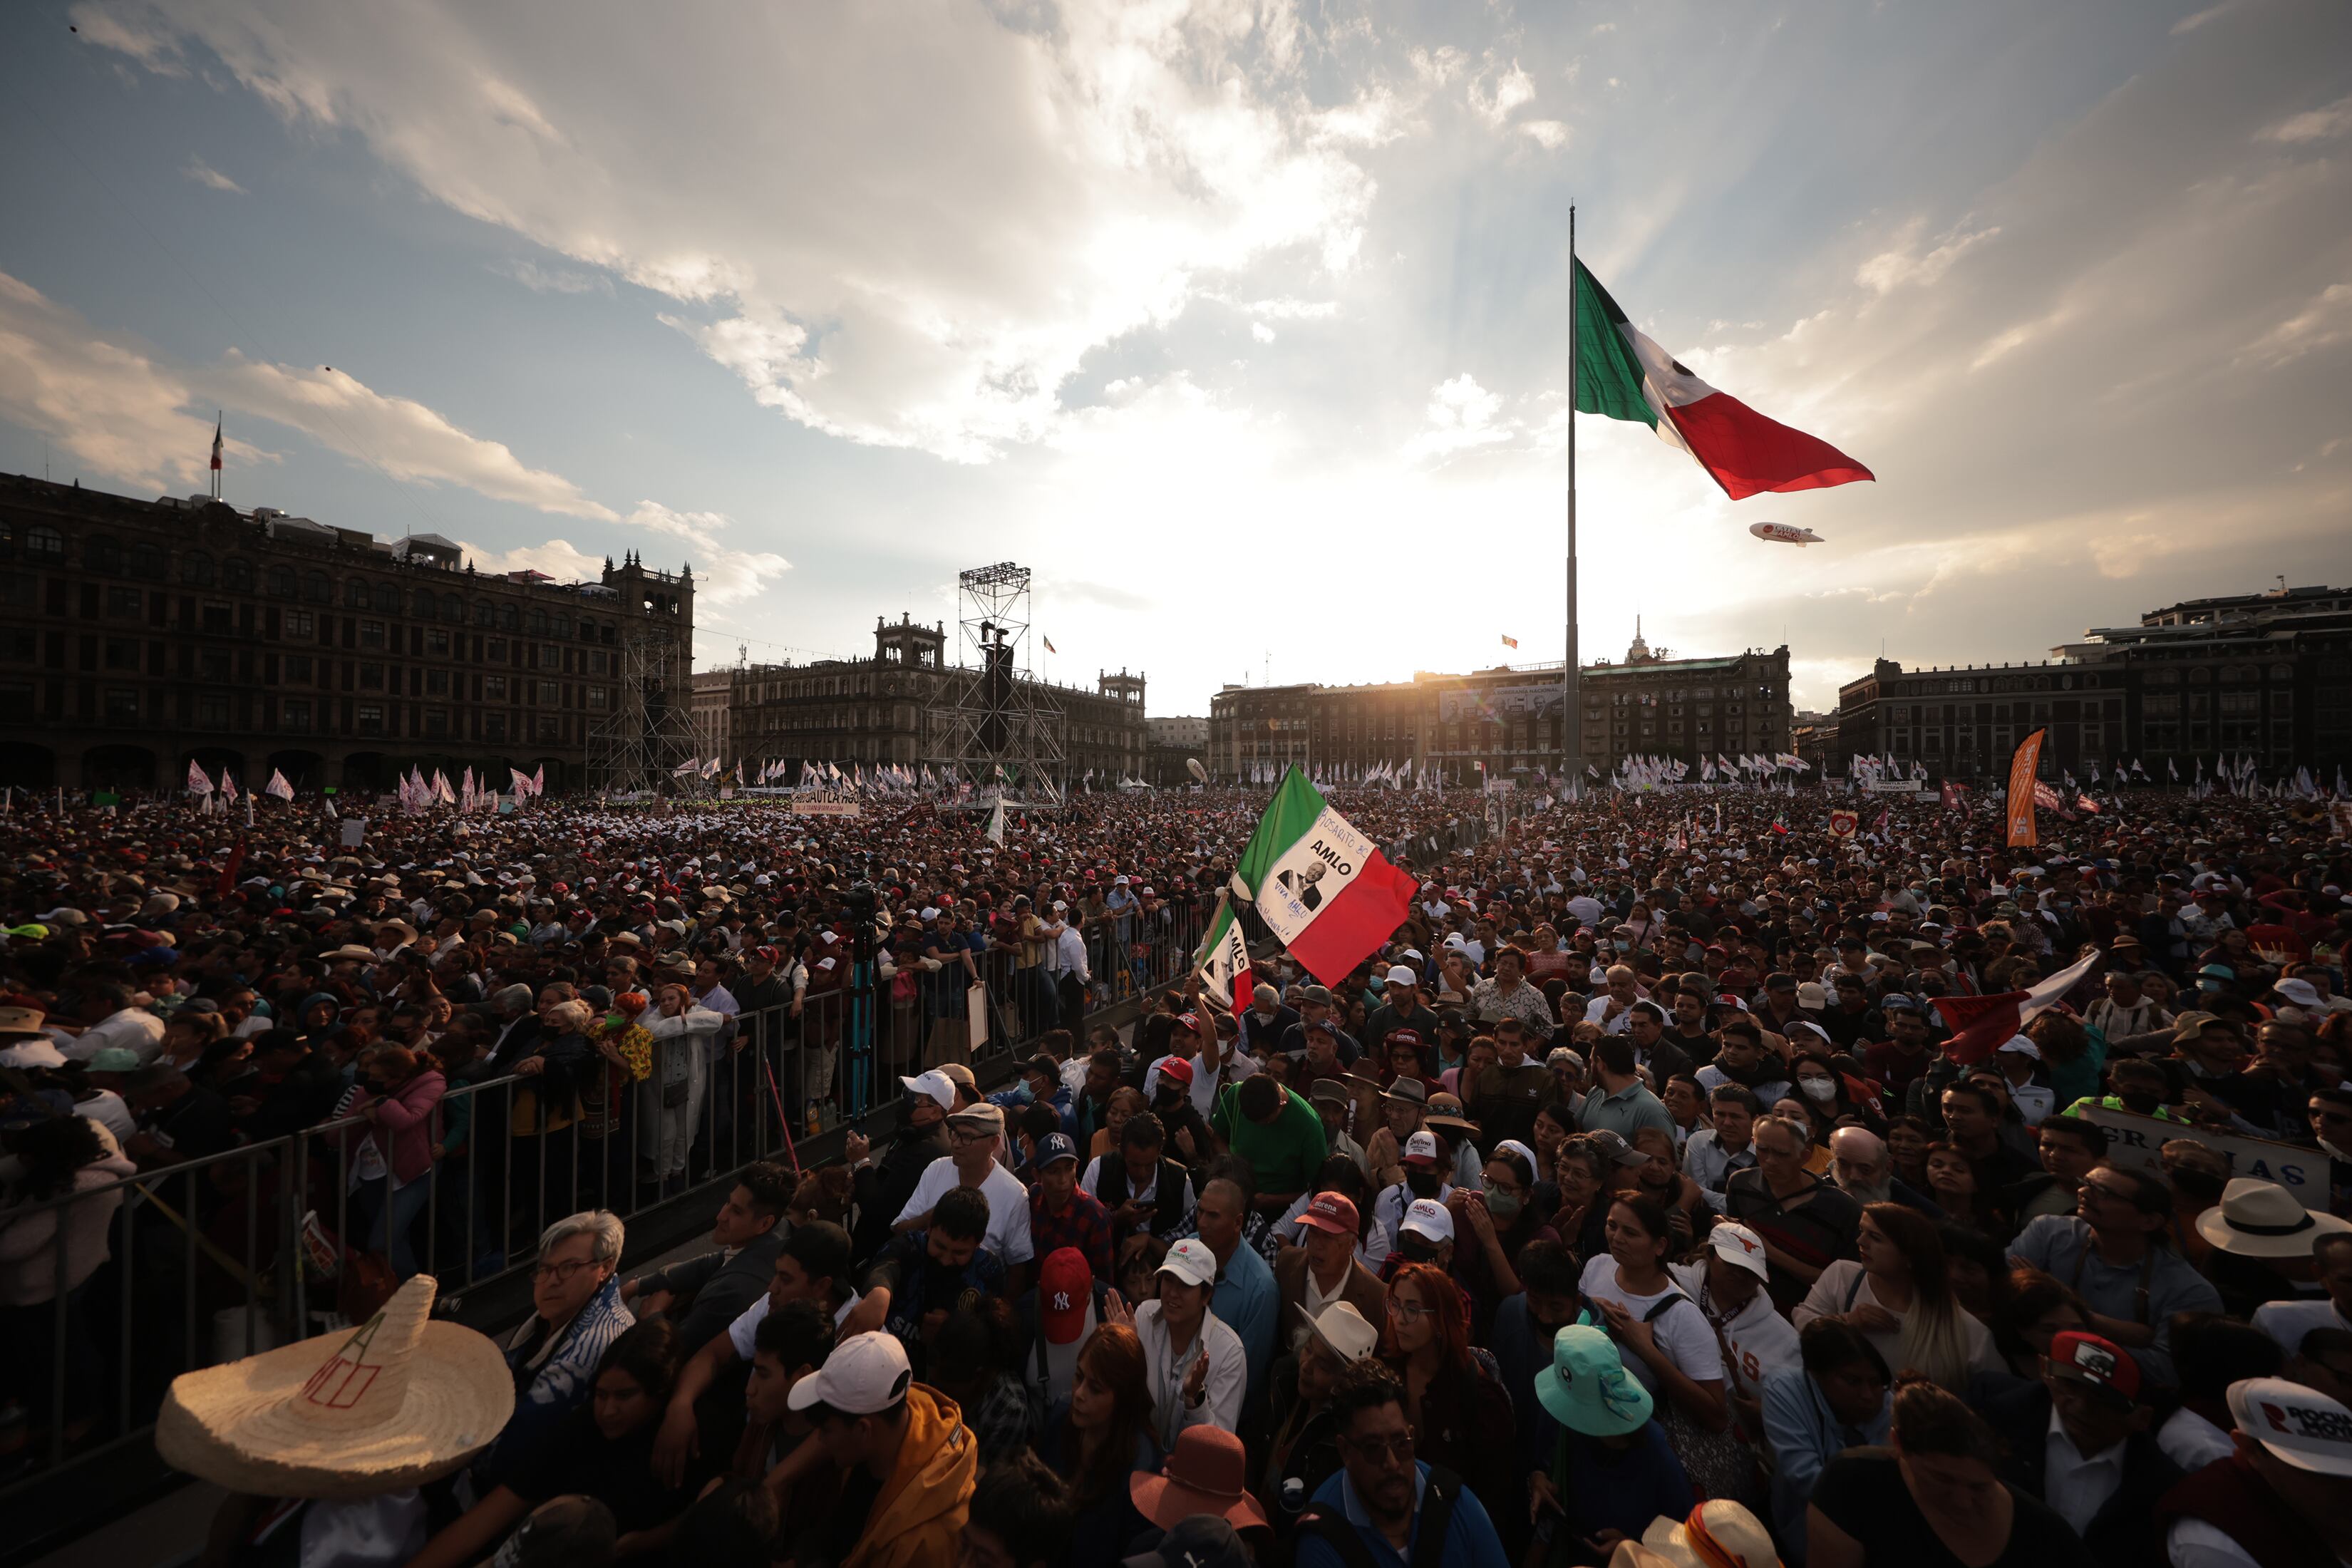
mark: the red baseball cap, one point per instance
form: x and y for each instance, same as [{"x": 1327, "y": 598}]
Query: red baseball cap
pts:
[
  {"x": 1066, "y": 1289},
  {"x": 2102, "y": 1363},
  {"x": 1176, "y": 1070},
  {"x": 1332, "y": 1212}
]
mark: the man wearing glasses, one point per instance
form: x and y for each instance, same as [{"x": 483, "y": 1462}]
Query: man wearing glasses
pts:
[
  {"x": 974, "y": 1135},
  {"x": 1394, "y": 1508},
  {"x": 2113, "y": 1252}
]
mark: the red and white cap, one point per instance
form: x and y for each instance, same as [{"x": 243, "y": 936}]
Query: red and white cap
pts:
[
  {"x": 1066, "y": 1289},
  {"x": 1423, "y": 1146},
  {"x": 1427, "y": 1218},
  {"x": 1176, "y": 1070},
  {"x": 1734, "y": 1243},
  {"x": 2298, "y": 1425},
  {"x": 1332, "y": 1212}
]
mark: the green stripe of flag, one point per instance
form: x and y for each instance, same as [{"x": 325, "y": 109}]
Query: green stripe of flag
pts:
[
  {"x": 1288, "y": 816},
  {"x": 1608, "y": 376}
]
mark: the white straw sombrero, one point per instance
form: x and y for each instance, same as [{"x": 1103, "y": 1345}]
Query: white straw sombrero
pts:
[{"x": 399, "y": 1400}]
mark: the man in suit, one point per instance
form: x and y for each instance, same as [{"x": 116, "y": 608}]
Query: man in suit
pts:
[
  {"x": 2079, "y": 1441},
  {"x": 1323, "y": 1268},
  {"x": 702, "y": 1295}
]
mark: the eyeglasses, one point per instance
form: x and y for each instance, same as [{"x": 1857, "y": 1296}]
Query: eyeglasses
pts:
[
  {"x": 562, "y": 1273},
  {"x": 1397, "y": 1449},
  {"x": 1411, "y": 1311}
]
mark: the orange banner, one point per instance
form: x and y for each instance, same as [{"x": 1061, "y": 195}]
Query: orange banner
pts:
[{"x": 2021, "y": 834}]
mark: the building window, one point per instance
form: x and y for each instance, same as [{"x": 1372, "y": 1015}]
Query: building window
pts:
[
  {"x": 217, "y": 619},
  {"x": 278, "y": 580},
  {"x": 494, "y": 727},
  {"x": 486, "y": 614},
  {"x": 599, "y": 698},
  {"x": 121, "y": 705},
  {"x": 298, "y": 669},
  {"x": 43, "y": 542},
  {"x": 212, "y": 663},
  {"x": 301, "y": 624},
  {"x": 370, "y": 677},
  {"x": 550, "y": 727},
  {"x": 123, "y": 653},
  {"x": 371, "y": 718},
  {"x": 16, "y": 703},
  {"x": 510, "y": 618},
  {"x": 498, "y": 650},
  {"x": 125, "y": 602},
  {"x": 372, "y": 634},
  {"x": 212, "y": 709},
  {"x": 453, "y": 609},
  {"x": 550, "y": 655},
  {"x": 549, "y": 695},
  {"x": 436, "y": 643},
  {"x": 236, "y": 574},
  {"x": 494, "y": 688},
  {"x": 536, "y": 623},
  {"x": 388, "y": 599},
  {"x": 149, "y": 564},
  {"x": 104, "y": 555},
  {"x": 355, "y": 595},
  {"x": 298, "y": 714},
  {"x": 436, "y": 683},
  {"x": 436, "y": 723},
  {"x": 316, "y": 589}
]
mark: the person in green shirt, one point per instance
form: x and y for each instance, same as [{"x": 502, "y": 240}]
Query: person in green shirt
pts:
[{"x": 1277, "y": 1132}]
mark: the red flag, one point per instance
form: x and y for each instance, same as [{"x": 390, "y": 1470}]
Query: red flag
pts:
[
  {"x": 1980, "y": 1024},
  {"x": 229, "y": 871}
]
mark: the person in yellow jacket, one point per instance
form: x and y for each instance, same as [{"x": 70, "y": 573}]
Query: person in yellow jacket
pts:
[{"x": 907, "y": 1460}]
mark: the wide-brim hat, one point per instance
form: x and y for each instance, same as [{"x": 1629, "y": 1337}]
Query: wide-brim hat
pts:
[
  {"x": 1207, "y": 1472},
  {"x": 2261, "y": 1220},
  {"x": 1718, "y": 1534},
  {"x": 1587, "y": 1388},
  {"x": 394, "y": 1403}
]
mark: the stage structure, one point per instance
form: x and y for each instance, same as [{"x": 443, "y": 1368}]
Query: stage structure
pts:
[
  {"x": 651, "y": 730},
  {"x": 996, "y": 725}
]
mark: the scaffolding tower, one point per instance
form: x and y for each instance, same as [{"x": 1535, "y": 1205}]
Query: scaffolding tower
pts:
[
  {"x": 651, "y": 729},
  {"x": 996, "y": 725}
]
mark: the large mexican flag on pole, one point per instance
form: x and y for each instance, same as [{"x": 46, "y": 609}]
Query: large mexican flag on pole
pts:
[
  {"x": 1623, "y": 374},
  {"x": 1326, "y": 891}
]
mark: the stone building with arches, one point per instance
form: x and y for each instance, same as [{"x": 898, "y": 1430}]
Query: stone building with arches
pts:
[
  {"x": 139, "y": 636},
  {"x": 2266, "y": 676}
]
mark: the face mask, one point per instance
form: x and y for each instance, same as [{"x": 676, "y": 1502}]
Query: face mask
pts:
[
  {"x": 1503, "y": 1207},
  {"x": 1421, "y": 1183},
  {"x": 1416, "y": 1251},
  {"x": 2141, "y": 1104},
  {"x": 1818, "y": 1088}
]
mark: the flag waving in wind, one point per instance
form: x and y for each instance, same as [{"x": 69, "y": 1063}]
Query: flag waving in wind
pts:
[
  {"x": 1329, "y": 894},
  {"x": 1621, "y": 373},
  {"x": 278, "y": 786}
]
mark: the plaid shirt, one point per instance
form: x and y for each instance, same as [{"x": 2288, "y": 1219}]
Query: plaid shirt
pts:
[{"x": 1085, "y": 1224}]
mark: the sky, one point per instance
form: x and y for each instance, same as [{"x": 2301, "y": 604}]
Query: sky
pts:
[{"x": 1243, "y": 324}]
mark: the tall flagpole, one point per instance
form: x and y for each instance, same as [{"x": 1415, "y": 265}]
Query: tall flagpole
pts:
[{"x": 1571, "y": 726}]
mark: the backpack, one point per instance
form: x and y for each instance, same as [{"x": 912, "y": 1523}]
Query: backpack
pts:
[{"x": 1331, "y": 1526}]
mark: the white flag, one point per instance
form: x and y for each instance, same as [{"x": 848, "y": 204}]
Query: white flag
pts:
[{"x": 279, "y": 787}]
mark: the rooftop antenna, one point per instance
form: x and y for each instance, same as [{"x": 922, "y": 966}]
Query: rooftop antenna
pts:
[{"x": 1269, "y": 666}]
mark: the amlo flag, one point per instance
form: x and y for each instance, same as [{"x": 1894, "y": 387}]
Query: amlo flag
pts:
[
  {"x": 197, "y": 780},
  {"x": 1329, "y": 893},
  {"x": 1223, "y": 963},
  {"x": 1623, "y": 374},
  {"x": 278, "y": 786}
]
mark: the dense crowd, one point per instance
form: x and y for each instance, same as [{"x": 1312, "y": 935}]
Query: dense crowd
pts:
[{"x": 1682, "y": 1181}]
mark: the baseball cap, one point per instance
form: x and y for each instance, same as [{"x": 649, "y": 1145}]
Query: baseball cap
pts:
[
  {"x": 1191, "y": 1261},
  {"x": 960, "y": 1076},
  {"x": 2299, "y": 1425},
  {"x": 114, "y": 1058},
  {"x": 1054, "y": 1148},
  {"x": 1427, "y": 1218},
  {"x": 2100, "y": 1363},
  {"x": 1176, "y": 1070},
  {"x": 1332, "y": 1212},
  {"x": 1400, "y": 1038},
  {"x": 866, "y": 1373},
  {"x": 934, "y": 1086},
  {"x": 1401, "y": 974},
  {"x": 2018, "y": 1044},
  {"x": 565, "y": 1529},
  {"x": 1734, "y": 1243},
  {"x": 1614, "y": 1146},
  {"x": 1422, "y": 1145},
  {"x": 1066, "y": 1289}
]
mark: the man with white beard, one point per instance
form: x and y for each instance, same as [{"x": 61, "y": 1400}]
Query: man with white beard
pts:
[{"x": 1864, "y": 1171}]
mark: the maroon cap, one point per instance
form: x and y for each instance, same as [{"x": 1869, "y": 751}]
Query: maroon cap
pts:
[
  {"x": 2102, "y": 1363},
  {"x": 1332, "y": 1212}
]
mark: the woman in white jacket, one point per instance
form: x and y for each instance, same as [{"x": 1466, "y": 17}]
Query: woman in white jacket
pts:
[{"x": 670, "y": 1101}]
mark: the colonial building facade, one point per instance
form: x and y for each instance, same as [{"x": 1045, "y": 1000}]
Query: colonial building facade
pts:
[
  {"x": 896, "y": 708},
  {"x": 2266, "y": 676},
  {"x": 1508, "y": 717},
  {"x": 140, "y": 636}
]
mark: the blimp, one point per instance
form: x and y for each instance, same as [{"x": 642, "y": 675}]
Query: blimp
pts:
[{"x": 1784, "y": 533}]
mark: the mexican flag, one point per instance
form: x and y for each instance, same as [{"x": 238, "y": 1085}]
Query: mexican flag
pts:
[
  {"x": 1328, "y": 893},
  {"x": 1623, "y": 374},
  {"x": 1222, "y": 961}
]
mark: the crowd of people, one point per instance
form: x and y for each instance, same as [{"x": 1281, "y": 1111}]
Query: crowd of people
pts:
[{"x": 1682, "y": 1181}]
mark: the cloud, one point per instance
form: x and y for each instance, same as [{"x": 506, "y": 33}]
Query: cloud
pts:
[
  {"x": 974, "y": 204},
  {"x": 1512, "y": 89},
  {"x": 2321, "y": 324},
  {"x": 553, "y": 279},
  {"x": 203, "y": 173},
  {"x": 1261, "y": 332},
  {"x": 1461, "y": 416},
  {"x": 1905, "y": 266},
  {"x": 1550, "y": 134},
  {"x": 2312, "y": 125},
  {"x": 727, "y": 575},
  {"x": 396, "y": 434}
]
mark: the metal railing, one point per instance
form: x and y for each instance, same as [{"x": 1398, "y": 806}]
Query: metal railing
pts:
[{"x": 219, "y": 1257}]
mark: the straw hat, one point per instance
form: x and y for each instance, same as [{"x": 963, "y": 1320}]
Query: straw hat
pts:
[
  {"x": 394, "y": 1403},
  {"x": 2261, "y": 1220},
  {"x": 1718, "y": 1534}
]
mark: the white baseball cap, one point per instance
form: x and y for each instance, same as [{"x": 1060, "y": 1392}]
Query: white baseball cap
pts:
[
  {"x": 1421, "y": 1145},
  {"x": 866, "y": 1373},
  {"x": 1734, "y": 1243},
  {"x": 1191, "y": 1261},
  {"x": 934, "y": 1085},
  {"x": 2018, "y": 1044},
  {"x": 2299, "y": 1425},
  {"x": 1427, "y": 1218},
  {"x": 1401, "y": 975}
]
